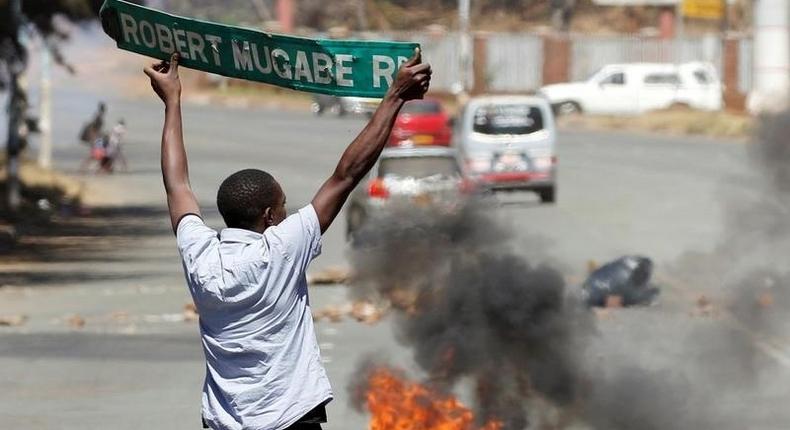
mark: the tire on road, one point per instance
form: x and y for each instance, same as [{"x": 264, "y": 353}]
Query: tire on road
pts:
[
  {"x": 548, "y": 194},
  {"x": 568, "y": 107}
]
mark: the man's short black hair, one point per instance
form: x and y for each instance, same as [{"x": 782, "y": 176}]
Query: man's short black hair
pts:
[{"x": 244, "y": 196}]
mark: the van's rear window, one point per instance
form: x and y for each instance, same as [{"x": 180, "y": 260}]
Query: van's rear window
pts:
[
  {"x": 508, "y": 119},
  {"x": 419, "y": 167}
]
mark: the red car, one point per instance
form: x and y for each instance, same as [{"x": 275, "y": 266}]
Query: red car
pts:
[{"x": 421, "y": 122}]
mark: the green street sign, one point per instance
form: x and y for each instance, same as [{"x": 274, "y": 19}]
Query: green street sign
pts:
[{"x": 336, "y": 67}]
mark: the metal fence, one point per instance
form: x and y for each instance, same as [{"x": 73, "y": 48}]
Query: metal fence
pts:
[
  {"x": 443, "y": 52},
  {"x": 590, "y": 53},
  {"x": 515, "y": 62}
]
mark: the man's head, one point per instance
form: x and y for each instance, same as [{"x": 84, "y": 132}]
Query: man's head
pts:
[{"x": 251, "y": 199}]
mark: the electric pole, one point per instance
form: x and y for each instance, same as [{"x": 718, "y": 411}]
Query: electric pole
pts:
[{"x": 465, "y": 42}]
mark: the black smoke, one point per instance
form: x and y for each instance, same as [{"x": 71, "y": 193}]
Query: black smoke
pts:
[{"x": 474, "y": 308}]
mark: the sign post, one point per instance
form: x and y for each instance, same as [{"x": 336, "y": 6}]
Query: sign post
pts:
[{"x": 335, "y": 67}]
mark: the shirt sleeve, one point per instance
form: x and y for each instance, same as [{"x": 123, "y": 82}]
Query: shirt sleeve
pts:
[
  {"x": 299, "y": 237},
  {"x": 197, "y": 244}
]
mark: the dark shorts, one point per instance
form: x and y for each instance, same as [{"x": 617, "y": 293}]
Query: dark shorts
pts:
[{"x": 311, "y": 421}]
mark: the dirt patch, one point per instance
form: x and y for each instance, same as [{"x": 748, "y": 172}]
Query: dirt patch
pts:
[{"x": 682, "y": 122}]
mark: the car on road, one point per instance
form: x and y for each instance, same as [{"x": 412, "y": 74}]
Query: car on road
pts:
[
  {"x": 421, "y": 122},
  {"x": 341, "y": 106},
  {"x": 508, "y": 143},
  {"x": 408, "y": 178},
  {"x": 636, "y": 88}
]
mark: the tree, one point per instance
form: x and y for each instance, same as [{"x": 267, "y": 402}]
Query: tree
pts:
[{"x": 35, "y": 19}]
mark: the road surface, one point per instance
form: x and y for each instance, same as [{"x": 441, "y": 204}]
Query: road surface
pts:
[{"x": 137, "y": 364}]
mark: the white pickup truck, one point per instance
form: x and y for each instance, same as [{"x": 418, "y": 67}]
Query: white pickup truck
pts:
[{"x": 637, "y": 88}]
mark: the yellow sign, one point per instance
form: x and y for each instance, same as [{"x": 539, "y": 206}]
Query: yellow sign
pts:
[{"x": 704, "y": 9}]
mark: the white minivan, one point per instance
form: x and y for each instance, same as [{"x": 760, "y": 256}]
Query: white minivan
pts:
[
  {"x": 636, "y": 88},
  {"x": 508, "y": 143}
]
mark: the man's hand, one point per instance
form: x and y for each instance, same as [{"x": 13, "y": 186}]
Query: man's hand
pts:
[
  {"x": 413, "y": 79},
  {"x": 165, "y": 80}
]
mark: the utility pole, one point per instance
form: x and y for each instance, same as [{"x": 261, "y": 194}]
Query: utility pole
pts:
[
  {"x": 465, "y": 46},
  {"x": 285, "y": 14},
  {"x": 45, "y": 115},
  {"x": 680, "y": 32},
  {"x": 13, "y": 145}
]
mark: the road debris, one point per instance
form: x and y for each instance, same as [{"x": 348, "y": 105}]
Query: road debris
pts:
[
  {"x": 704, "y": 307},
  {"x": 12, "y": 320},
  {"x": 333, "y": 314},
  {"x": 330, "y": 276},
  {"x": 366, "y": 312},
  {"x": 361, "y": 311},
  {"x": 627, "y": 277},
  {"x": 75, "y": 321},
  {"x": 614, "y": 301},
  {"x": 120, "y": 316},
  {"x": 766, "y": 300}
]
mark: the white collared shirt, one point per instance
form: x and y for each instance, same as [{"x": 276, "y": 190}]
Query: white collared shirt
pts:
[{"x": 263, "y": 365}]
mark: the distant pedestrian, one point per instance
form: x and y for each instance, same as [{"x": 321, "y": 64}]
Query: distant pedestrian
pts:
[
  {"x": 92, "y": 135},
  {"x": 114, "y": 147},
  {"x": 263, "y": 365}
]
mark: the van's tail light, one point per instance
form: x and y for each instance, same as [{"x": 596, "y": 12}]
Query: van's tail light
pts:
[{"x": 377, "y": 189}]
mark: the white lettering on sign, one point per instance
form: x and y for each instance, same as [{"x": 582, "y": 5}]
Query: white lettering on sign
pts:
[
  {"x": 285, "y": 72},
  {"x": 383, "y": 67},
  {"x": 256, "y": 57},
  {"x": 322, "y": 67},
  {"x": 242, "y": 58},
  {"x": 214, "y": 42},
  {"x": 129, "y": 28},
  {"x": 165, "y": 39},
  {"x": 295, "y": 65},
  {"x": 342, "y": 70},
  {"x": 148, "y": 34},
  {"x": 302, "y": 69},
  {"x": 181, "y": 42},
  {"x": 196, "y": 46}
]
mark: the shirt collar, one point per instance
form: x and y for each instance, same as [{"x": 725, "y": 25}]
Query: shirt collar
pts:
[{"x": 239, "y": 235}]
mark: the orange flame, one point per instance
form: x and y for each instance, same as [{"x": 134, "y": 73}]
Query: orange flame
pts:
[{"x": 399, "y": 404}]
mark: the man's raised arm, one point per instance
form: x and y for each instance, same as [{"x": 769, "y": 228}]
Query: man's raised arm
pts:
[
  {"x": 175, "y": 172},
  {"x": 412, "y": 82}
]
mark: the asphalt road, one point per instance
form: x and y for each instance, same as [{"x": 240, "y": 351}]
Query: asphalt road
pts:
[{"x": 135, "y": 364}]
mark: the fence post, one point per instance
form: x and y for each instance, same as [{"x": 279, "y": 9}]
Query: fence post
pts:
[
  {"x": 556, "y": 59},
  {"x": 480, "y": 64},
  {"x": 733, "y": 98}
]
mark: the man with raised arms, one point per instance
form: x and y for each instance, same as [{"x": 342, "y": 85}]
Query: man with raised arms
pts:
[{"x": 263, "y": 365}]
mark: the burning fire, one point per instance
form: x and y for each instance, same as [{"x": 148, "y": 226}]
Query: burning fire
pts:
[{"x": 398, "y": 404}]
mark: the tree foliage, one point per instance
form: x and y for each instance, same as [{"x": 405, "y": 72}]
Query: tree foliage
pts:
[{"x": 40, "y": 20}]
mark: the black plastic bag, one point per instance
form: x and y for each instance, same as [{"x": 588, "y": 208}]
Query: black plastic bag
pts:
[{"x": 627, "y": 277}]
